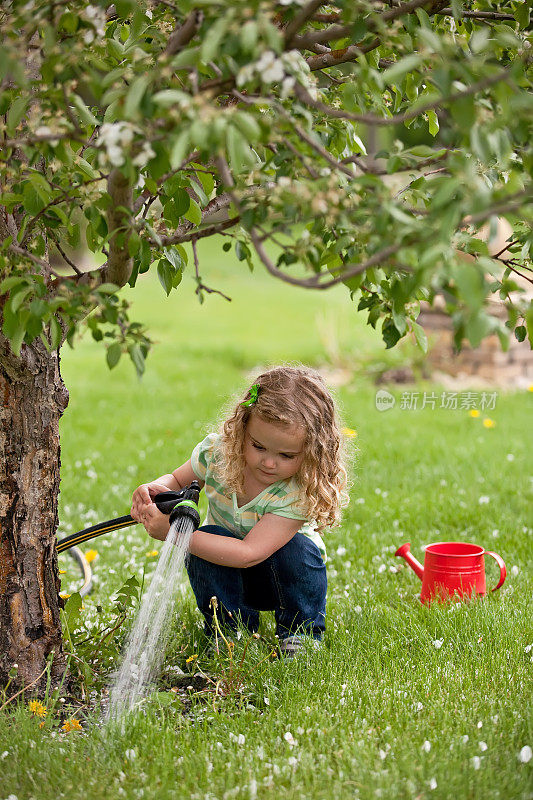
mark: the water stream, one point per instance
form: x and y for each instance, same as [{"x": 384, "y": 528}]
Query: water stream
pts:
[{"x": 149, "y": 636}]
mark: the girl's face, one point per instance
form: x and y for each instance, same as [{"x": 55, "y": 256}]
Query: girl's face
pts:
[{"x": 272, "y": 452}]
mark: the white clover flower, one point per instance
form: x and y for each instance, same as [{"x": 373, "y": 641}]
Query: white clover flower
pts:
[
  {"x": 130, "y": 754},
  {"x": 289, "y": 738},
  {"x": 292, "y": 761},
  {"x": 358, "y": 610},
  {"x": 465, "y": 738},
  {"x": 426, "y": 747},
  {"x": 437, "y": 643},
  {"x": 432, "y": 784},
  {"x": 514, "y": 570},
  {"x": 483, "y": 500},
  {"x": 525, "y": 754},
  {"x": 483, "y": 746},
  {"x": 476, "y": 762}
]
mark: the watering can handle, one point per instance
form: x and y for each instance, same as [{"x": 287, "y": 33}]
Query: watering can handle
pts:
[{"x": 501, "y": 563}]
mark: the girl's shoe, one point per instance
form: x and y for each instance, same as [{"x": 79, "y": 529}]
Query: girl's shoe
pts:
[{"x": 291, "y": 645}]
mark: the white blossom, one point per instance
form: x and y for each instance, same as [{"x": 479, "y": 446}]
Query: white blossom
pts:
[
  {"x": 432, "y": 784},
  {"x": 476, "y": 762},
  {"x": 483, "y": 746},
  {"x": 525, "y": 754},
  {"x": 426, "y": 747},
  {"x": 437, "y": 643}
]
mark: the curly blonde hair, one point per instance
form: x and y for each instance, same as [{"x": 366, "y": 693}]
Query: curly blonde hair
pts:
[{"x": 293, "y": 396}]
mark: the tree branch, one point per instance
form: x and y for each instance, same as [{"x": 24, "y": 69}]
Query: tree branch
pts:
[
  {"x": 119, "y": 264},
  {"x": 300, "y": 19},
  {"x": 343, "y": 31},
  {"x": 447, "y": 12},
  {"x": 183, "y": 34},
  {"x": 201, "y": 287},
  {"x": 210, "y": 230},
  {"x": 314, "y": 283},
  {"x": 373, "y": 119}
]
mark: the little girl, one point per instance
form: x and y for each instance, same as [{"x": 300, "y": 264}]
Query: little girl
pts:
[{"x": 275, "y": 479}]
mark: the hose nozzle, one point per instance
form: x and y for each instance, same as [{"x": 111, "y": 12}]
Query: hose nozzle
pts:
[{"x": 180, "y": 504}]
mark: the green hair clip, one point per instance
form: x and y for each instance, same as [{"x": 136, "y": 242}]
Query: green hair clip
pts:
[{"x": 254, "y": 391}]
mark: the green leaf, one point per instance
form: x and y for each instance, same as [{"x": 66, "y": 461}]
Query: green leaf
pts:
[
  {"x": 165, "y": 274},
  {"x": 137, "y": 358},
  {"x": 520, "y": 333},
  {"x": 238, "y": 151},
  {"x": 213, "y": 38},
  {"x": 395, "y": 73},
  {"x": 174, "y": 256},
  {"x": 433, "y": 122},
  {"x": 15, "y": 113},
  {"x": 182, "y": 202},
  {"x": 87, "y": 117},
  {"x": 528, "y": 317},
  {"x": 9, "y": 283},
  {"x": 135, "y": 95},
  {"x": 522, "y": 14},
  {"x": 71, "y": 611},
  {"x": 180, "y": 149},
  {"x": 56, "y": 333},
  {"x": 420, "y": 336},
  {"x": 248, "y": 126},
  {"x": 114, "y": 351},
  {"x": 194, "y": 213},
  {"x": 391, "y": 335}
]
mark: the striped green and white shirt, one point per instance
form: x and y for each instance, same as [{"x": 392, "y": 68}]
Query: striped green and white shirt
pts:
[{"x": 279, "y": 498}]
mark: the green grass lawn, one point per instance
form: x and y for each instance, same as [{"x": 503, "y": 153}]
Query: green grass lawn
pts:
[{"x": 403, "y": 701}]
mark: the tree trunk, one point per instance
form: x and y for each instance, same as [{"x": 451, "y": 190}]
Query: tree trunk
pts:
[{"x": 32, "y": 397}]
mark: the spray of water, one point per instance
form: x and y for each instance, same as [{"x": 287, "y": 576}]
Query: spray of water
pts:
[{"x": 149, "y": 636}]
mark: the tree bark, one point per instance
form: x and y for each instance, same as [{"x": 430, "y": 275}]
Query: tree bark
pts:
[{"x": 32, "y": 399}]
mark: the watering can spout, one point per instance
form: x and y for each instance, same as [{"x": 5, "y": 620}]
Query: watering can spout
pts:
[{"x": 405, "y": 552}]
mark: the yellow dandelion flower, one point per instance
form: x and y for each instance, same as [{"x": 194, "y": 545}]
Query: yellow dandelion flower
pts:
[
  {"x": 65, "y": 596},
  {"x": 489, "y": 423},
  {"x": 62, "y": 571},
  {"x": 152, "y": 553},
  {"x": 191, "y": 658},
  {"x": 530, "y": 387},
  {"x": 90, "y": 555},
  {"x": 349, "y": 432},
  {"x": 71, "y": 725},
  {"x": 37, "y": 708},
  {"x": 474, "y": 412}
]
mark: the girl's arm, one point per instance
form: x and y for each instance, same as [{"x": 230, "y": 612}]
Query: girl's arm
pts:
[
  {"x": 267, "y": 536},
  {"x": 142, "y": 496}
]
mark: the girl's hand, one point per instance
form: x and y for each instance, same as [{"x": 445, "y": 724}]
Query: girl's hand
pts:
[
  {"x": 142, "y": 498},
  {"x": 156, "y": 523}
]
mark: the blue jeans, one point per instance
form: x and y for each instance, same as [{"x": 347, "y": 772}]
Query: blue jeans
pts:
[{"x": 292, "y": 582}]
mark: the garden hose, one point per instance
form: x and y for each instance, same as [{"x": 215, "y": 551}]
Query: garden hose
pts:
[{"x": 175, "y": 504}]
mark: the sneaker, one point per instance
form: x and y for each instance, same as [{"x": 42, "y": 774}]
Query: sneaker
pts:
[{"x": 291, "y": 645}]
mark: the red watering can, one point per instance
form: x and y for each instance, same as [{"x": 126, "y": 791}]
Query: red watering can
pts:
[{"x": 451, "y": 568}]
